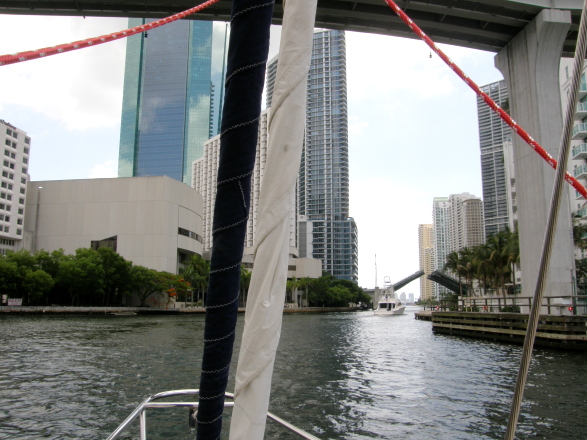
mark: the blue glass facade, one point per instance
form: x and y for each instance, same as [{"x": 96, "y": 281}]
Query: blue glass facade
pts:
[{"x": 169, "y": 107}]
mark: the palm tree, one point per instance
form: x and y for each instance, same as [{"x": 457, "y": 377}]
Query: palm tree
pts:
[
  {"x": 305, "y": 283},
  {"x": 452, "y": 264},
  {"x": 291, "y": 286},
  {"x": 197, "y": 273},
  {"x": 245, "y": 282}
]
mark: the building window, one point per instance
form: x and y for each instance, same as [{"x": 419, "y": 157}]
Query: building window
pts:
[
  {"x": 19, "y": 232},
  {"x": 1, "y": 217},
  {"x": 6, "y": 218},
  {"x": 13, "y": 155},
  {"x": 27, "y": 140},
  {"x": 8, "y": 196},
  {"x": 7, "y": 142},
  {"x": 11, "y": 176},
  {"x": 19, "y": 221},
  {"x": 2, "y": 206},
  {"x": 25, "y": 160},
  {"x": 7, "y": 153},
  {"x": 26, "y": 151},
  {"x": 10, "y": 186},
  {"x": 4, "y": 173},
  {"x": 6, "y": 163},
  {"x": 22, "y": 190},
  {"x": 21, "y": 201},
  {"x": 9, "y": 132},
  {"x": 23, "y": 180},
  {"x": 6, "y": 229},
  {"x": 24, "y": 169},
  {"x": 20, "y": 211},
  {"x": 11, "y": 166},
  {"x": 3, "y": 184},
  {"x": 110, "y": 242}
]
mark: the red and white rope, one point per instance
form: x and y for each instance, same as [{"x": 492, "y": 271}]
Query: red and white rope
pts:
[
  {"x": 508, "y": 120},
  {"x": 40, "y": 53}
]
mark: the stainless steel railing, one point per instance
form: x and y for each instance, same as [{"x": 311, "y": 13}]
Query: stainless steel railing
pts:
[{"x": 149, "y": 403}]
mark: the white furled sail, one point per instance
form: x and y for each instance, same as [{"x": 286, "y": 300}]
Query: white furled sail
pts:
[{"x": 268, "y": 282}]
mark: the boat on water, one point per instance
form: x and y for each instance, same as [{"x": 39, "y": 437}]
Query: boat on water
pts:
[{"x": 389, "y": 305}]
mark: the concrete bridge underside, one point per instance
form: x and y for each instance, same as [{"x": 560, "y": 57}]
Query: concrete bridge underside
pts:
[{"x": 486, "y": 25}]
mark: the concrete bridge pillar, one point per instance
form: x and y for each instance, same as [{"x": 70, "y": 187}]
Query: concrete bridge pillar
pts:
[{"x": 530, "y": 66}]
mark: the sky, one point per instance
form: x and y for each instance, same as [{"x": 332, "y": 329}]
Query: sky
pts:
[{"x": 413, "y": 129}]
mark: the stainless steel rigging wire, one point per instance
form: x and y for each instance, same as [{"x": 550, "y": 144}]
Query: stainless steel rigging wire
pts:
[{"x": 550, "y": 229}]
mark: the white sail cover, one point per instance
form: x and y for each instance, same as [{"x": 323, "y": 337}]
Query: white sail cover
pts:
[{"x": 268, "y": 282}]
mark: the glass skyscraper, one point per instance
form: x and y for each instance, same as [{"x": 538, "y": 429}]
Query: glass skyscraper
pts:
[
  {"x": 173, "y": 94},
  {"x": 493, "y": 133},
  {"x": 325, "y": 229}
]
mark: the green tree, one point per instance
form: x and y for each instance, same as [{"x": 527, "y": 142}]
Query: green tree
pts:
[
  {"x": 197, "y": 273},
  {"x": 82, "y": 277},
  {"x": 37, "y": 284},
  {"x": 145, "y": 282},
  {"x": 245, "y": 283},
  {"x": 9, "y": 277},
  {"x": 290, "y": 287},
  {"x": 116, "y": 274}
]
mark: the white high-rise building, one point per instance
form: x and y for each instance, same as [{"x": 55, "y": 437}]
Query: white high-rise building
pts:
[
  {"x": 441, "y": 238},
  {"x": 466, "y": 221},
  {"x": 13, "y": 189},
  {"x": 458, "y": 223},
  {"x": 577, "y": 164},
  {"x": 426, "y": 257},
  {"x": 204, "y": 176}
]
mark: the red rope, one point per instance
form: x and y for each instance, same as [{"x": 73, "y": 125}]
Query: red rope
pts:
[
  {"x": 40, "y": 53},
  {"x": 508, "y": 120}
]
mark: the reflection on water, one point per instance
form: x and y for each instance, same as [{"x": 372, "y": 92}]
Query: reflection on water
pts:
[{"x": 339, "y": 376}]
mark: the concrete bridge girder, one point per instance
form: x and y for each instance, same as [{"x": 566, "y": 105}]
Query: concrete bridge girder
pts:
[{"x": 530, "y": 66}]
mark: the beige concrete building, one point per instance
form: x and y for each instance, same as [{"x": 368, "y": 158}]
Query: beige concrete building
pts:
[
  {"x": 152, "y": 221},
  {"x": 426, "y": 257}
]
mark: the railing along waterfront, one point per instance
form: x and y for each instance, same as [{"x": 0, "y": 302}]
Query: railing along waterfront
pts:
[
  {"x": 551, "y": 305},
  {"x": 149, "y": 403}
]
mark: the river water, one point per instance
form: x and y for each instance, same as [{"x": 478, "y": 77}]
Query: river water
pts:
[{"x": 338, "y": 376}]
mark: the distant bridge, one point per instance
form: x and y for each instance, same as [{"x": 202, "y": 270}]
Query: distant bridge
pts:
[
  {"x": 449, "y": 282},
  {"x": 486, "y": 25},
  {"x": 407, "y": 280}
]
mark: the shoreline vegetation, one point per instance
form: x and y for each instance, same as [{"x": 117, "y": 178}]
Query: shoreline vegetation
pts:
[
  {"x": 101, "y": 278},
  {"x": 132, "y": 311}
]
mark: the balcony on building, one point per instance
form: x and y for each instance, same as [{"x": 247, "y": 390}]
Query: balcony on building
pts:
[
  {"x": 581, "y": 110},
  {"x": 580, "y": 131},
  {"x": 580, "y": 172},
  {"x": 582, "y": 213},
  {"x": 579, "y": 151},
  {"x": 582, "y": 90}
]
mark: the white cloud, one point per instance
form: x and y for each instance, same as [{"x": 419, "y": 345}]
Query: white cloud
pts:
[
  {"x": 83, "y": 88},
  {"x": 104, "y": 170}
]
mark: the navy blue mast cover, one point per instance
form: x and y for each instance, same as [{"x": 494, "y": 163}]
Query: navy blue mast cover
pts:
[{"x": 247, "y": 58}]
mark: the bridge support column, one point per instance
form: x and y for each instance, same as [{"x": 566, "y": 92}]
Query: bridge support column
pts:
[{"x": 530, "y": 66}]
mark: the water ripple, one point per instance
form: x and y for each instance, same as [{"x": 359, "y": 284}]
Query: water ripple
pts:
[{"x": 340, "y": 376}]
